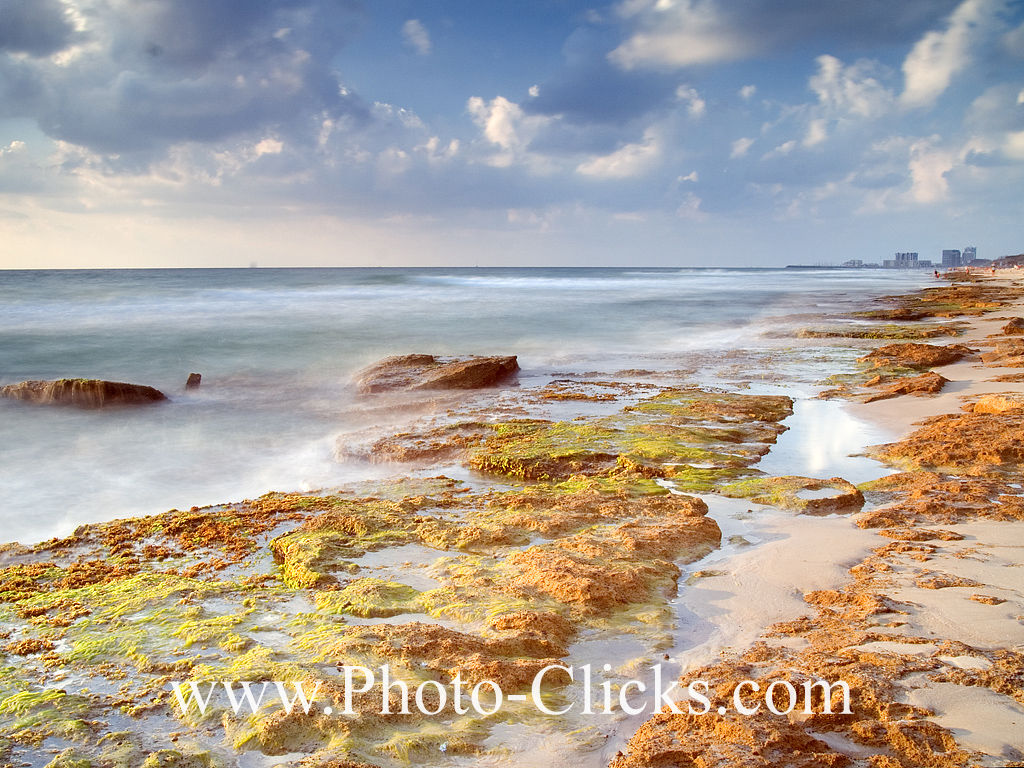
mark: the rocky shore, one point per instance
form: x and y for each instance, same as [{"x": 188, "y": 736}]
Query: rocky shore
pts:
[
  {"x": 929, "y": 630},
  {"x": 516, "y": 543}
]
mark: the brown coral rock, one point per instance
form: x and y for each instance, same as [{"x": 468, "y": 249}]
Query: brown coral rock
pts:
[
  {"x": 1007, "y": 354},
  {"x": 1010, "y": 402},
  {"x": 1015, "y": 327},
  {"x": 438, "y": 444},
  {"x": 968, "y": 441},
  {"x": 926, "y": 384},
  {"x": 987, "y": 599},
  {"x": 590, "y": 587},
  {"x": 916, "y": 355},
  {"x": 929, "y": 580},
  {"x": 83, "y": 393},
  {"x": 511, "y": 662},
  {"x": 411, "y": 372},
  {"x": 471, "y": 373},
  {"x": 551, "y": 625},
  {"x": 28, "y": 647}
]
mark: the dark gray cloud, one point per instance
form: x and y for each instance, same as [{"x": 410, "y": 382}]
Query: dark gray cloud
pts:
[
  {"x": 618, "y": 72},
  {"x": 701, "y": 32},
  {"x": 602, "y": 94},
  {"x": 151, "y": 75},
  {"x": 836, "y": 24},
  {"x": 591, "y": 90},
  {"x": 35, "y": 27}
]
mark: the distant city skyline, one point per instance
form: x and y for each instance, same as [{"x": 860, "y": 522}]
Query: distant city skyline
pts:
[{"x": 641, "y": 132}]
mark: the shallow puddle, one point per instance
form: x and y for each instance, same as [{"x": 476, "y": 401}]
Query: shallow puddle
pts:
[
  {"x": 407, "y": 564},
  {"x": 821, "y": 442}
]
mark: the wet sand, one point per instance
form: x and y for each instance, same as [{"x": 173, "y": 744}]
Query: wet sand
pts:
[{"x": 918, "y": 602}]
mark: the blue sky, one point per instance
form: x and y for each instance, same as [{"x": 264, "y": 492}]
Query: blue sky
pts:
[{"x": 138, "y": 133}]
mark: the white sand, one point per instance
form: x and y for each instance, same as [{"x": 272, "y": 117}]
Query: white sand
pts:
[
  {"x": 792, "y": 555},
  {"x": 991, "y": 552},
  {"x": 979, "y": 719},
  {"x": 771, "y": 558},
  {"x": 764, "y": 583}
]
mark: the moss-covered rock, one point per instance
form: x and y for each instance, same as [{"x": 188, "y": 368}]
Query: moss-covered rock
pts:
[{"x": 802, "y": 494}]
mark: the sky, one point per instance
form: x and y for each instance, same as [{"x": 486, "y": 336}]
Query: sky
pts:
[{"x": 226, "y": 133}]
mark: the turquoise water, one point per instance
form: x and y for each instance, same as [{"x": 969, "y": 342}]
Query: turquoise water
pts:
[{"x": 277, "y": 347}]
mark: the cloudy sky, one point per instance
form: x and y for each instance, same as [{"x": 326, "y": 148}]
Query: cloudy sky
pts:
[{"x": 142, "y": 133}]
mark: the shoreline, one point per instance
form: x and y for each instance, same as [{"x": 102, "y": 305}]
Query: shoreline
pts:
[
  {"x": 936, "y": 625},
  {"x": 561, "y": 540}
]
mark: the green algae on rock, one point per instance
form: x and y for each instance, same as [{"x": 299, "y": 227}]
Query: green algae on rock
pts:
[
  {"x": 894, "y": 331},
  {"x": 802, "y": 494},
  {"x": 676, "y": 427},
  {"x": 275, "y": 588}
]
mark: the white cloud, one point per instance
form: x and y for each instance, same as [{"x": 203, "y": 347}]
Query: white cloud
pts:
[
  {"x": 268, "y": 146},
  {"x": 697, "y": 106},
  {"x": 387, "y": 112},
  {"x": 740, "y": 147},
  {"x": 690, "y": 208},
  {"x": 691, "y": 176},
  {"x": 436, "y": 153},
  {"x": 780, "y": 151},
  {"x": 938, "y": 56},
  {"x": 417, "y": 37},
  {"x": 817, "y": 132},
  {"x": 747, "y": 92},
  {"x": 630, "y": 160},
  {"x": 506, "y": 125},
  {"x": 677, "y": 33},
  {"x": 1014, "y": 145},
  {"x": 14, "y": 146},
  {"x": 850, "y": 91},
  {"x": 928, "y": 168},
  {"x": 497, "y": 119}
]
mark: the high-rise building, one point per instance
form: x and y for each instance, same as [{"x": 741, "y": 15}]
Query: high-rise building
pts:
[
  {"x": 951, "y": 259},
  {"x": 970, "y": 253},
  {"x": 902, "y": 261}
]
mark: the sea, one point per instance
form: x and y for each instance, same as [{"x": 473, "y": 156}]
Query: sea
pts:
[{"x": 276, "y": 349}]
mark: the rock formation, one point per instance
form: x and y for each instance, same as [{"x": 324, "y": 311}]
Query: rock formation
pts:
[
  {"x": 1015, "y": 327},
  {"x": 929, "y": 383},
  {"x": 83, "y": 393},
  {"x": 411, "y": 372},
  {"x": 915, "y": 355}
]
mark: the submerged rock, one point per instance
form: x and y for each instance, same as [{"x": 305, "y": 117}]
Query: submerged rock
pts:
[
  {"x": 446, "y": 443},
  {"x": 194, "y": 380},
  {"x": 410, "y": 372},
  {"x": 83, "y": 393},
  {"x": 807, "y": 495}
]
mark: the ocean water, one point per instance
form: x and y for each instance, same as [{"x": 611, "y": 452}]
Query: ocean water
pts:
[{"x": 277, "y": 348}]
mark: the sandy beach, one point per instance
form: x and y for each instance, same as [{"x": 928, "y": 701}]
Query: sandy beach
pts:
[
  {"x": 511, "y": 385},
  {"x": 927, "y": 611},
  {"x": 644, "y": 540}
]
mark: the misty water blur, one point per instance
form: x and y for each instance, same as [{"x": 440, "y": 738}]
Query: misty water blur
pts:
[{"x": 277, "y": 347}]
